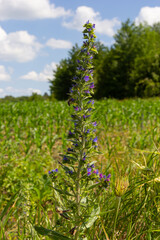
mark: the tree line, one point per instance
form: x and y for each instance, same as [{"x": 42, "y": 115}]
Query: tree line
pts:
[{"x": 129, "y": 68}]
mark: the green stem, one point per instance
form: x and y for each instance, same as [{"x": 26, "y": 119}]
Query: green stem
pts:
[{"x": 115, "y": 220}]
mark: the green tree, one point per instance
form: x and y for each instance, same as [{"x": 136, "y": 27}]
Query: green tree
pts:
[
  {"x": 114, "y": 74},
  {"x": 63, "y": 75}
]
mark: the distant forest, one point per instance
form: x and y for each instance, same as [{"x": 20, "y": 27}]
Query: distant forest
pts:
[{"x": 129, "y": 68}]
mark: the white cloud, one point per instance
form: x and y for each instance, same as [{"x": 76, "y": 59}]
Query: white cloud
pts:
[
  {"x": 28, "y": 9},
  {"x": 18, "y": 46},
  {"x": 43, "y": 76},
  {"x": 4, "y": 76},
  {"x": 150, "y": 15},
  {"x": 55, "y": 43},
  {"x": 84, "y": 13},
  {"x": 1, "y": 91},
  {"x": 18, "y": 92}
]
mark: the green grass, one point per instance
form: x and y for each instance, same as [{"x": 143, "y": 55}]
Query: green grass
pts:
[{"x": 32, "y": 137}]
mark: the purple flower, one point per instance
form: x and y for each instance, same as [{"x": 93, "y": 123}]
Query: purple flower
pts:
[
  {"x": 79, "y": 68},
  {"x": 49, "y": 172},
  {"x": 86, "y": 78},
  {"x": 87, "y": 22},
  {"x": 96, "y": 171},
  {"x": 92, "y": 166},
  {"x": 101, "y": 175},
  {"x": 87, "y": 91},
  {"x": 94, "y": 124},
  {"x": 84, "y": 158},
  {"x": 70, "y": 150},
  {"x": 89, "y": 29},
  {"x": 70, "y": 133},
  {"x": 71, "y": 90},
  {"x": 93, "y": 26},
  {"x": 86, "y": 116},
  {"x": 91, "y": 57},
  {"x": 91, "y": 85},
  {"x": 89, "y": 169},
  {"x": 109, "y": 176},
  {"x": 65, "y": 158},
  {"x": 95, "y": 140},
  {"x": 88, "y": 53},
  {"x": 56, "y": 170},
  {"x": 78, "y": 61},
  {"x": 88, "y": 131},
  {"x": 76, "y": 108}
]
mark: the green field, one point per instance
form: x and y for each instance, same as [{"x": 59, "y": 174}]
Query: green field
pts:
[{"x": 34, "y": 134}]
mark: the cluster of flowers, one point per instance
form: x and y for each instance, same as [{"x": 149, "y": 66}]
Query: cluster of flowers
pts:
[
  {"x": 53, "y": 173},
  {"x": 83, "y": 135},
  {"x": 96, "y": 174},
  {"x": 83, "y": 140}
]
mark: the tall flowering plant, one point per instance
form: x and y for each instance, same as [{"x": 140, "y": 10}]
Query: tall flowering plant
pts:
[{"x": 78, "y": 190}]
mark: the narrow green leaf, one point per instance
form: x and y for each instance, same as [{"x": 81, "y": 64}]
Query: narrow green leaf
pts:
[
  {"x": 50, "y": 233},
  {"x": 63, "y": 192}
]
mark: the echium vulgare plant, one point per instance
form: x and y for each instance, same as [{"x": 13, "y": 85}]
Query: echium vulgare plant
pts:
[{"x": 78, "y": 184}]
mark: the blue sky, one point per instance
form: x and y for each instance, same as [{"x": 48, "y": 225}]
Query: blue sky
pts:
[{"x": 36, "y": 34}]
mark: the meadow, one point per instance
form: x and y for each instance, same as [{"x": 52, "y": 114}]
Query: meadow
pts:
[{"x": 34, "y": 134}]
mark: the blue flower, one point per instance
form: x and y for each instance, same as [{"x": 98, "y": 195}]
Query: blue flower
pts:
[
  {"x": 95, "y": 140},
  {"x": 86, "y": 78},
  {"x": 91, "y": 85},
  {"x": 89, "y": 169},
  {"x": 87, "y": 91},
  {"x": 94, "y": 124},
  {"x": 65, "y": 158},
  {"x": 76, "y": 108}
]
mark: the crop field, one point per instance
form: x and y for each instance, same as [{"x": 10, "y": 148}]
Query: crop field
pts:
[{"x": 32, "y": 137}]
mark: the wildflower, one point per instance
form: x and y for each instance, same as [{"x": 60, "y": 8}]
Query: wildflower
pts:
[
  {"x": 70, "y": 150},
  {"x": 101, "y": 176},
  {"x": 87, "y": 91},
  {"x": 95, "y": 140},
  {"x": 96, "y": 171},
  {"x": 86, "y": 78},
  {"x": 70, "y": 133},
  {"x": 65, "y": 158},
  {"x": 91, "y": 85},
  {"x": 89, "y": 170},
  {"x": 93, "y": 25},
  {"x": 94, "y": 124},
  {"x": 76, "y": 108}
]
